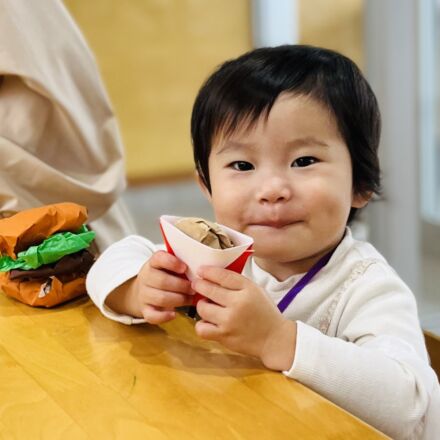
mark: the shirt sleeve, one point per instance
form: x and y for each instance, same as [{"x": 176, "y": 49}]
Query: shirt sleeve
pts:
[
  {"x": 116, "y": 265},
  {"x": 376, "y": 367}
]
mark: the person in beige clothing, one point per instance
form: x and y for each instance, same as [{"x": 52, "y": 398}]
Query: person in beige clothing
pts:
[{"x": 59, "y": 140}]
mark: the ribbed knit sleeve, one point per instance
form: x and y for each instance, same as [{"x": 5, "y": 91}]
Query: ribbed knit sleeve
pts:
[
  {"x": 116, "y": 265},
  {"x": 376, "y": 366}
]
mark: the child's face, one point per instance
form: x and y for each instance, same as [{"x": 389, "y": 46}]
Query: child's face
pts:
[{"x": 287, "y": 182}]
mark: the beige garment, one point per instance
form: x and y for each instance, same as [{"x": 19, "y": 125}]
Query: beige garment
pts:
[{"x": 59, "y": 140}]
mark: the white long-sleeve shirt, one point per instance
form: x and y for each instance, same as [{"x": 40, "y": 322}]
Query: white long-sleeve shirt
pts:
[{"x": 359, "y": 341}]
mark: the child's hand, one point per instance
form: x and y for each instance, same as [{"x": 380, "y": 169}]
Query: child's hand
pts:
[
  {"x": 242, "y": 318},
  {"x": 155, "y": 292}
]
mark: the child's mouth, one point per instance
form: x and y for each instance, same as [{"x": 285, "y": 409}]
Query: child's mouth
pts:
[{"x": 278, "y": 224}]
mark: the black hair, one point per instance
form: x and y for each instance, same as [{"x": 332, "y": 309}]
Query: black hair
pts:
[{"x": 242, "y": 90}]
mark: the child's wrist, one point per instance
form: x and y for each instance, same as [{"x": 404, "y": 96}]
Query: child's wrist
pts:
[
  {"x": 279, "y": 349},
  {"x": 123, "y": 299}
]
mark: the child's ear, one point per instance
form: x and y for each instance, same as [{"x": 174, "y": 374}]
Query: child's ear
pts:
[
  {"x": 360, "y": 200},
  {"x": 202, "y": 186}
]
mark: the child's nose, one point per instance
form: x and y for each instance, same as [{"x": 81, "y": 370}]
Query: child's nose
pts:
[{"x": 274, "y": 190}]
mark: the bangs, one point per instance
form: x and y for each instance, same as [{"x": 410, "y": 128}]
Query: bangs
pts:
[
  {"x": 237, "y": 103},
  {"x": 232, "y": 122}
]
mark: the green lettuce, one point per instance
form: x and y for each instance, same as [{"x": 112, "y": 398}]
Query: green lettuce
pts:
[{"x": 49, "y": 251}]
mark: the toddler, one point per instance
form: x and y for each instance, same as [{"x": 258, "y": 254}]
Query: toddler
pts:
[{"x": 285, "y": 145}]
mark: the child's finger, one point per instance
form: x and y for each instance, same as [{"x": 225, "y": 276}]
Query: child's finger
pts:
[
  {"x": 159, "y": 279},
  {"x": 164, "y": 298},
  {"x": 210, "y": 312},
  {"x": 207, "y": 330},
  {"x": 164, "y": 260},
  {"x": 214, "y": 292},
  {"x": 154, "y": 315},
  {"x": 224, "y": 277}
]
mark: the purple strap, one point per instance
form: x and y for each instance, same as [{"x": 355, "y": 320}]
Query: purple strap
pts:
[{"x": 291, "y": 294}]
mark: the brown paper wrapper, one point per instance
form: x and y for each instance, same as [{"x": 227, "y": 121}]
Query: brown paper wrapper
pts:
[
  {"x": 32, "y": 226},
  {"x": 48, "y": 293},
  {"x": 205, "y": 232}
]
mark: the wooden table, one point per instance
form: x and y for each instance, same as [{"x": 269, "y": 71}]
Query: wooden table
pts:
[{"x": 70, "y": 373}]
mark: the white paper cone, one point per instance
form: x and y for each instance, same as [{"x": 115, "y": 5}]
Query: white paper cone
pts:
[{"x": 195, "y": 254}]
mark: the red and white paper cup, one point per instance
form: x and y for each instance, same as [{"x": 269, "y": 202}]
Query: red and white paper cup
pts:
[{"x": 195, "y": 254}]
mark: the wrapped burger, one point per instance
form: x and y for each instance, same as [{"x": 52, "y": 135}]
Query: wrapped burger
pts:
[
  {"x": 44, "y": 254},
  {"x": 208, "y": 233},
  {"x": 198, "y": 242}
]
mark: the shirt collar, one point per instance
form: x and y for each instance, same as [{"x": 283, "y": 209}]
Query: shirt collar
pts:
[{"x": 268, "y": 282}]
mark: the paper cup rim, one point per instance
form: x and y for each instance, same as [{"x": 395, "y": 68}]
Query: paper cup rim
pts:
[{"x": 246, "y": 240}]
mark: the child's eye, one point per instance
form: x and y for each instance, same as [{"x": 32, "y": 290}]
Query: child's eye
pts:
[
  {"x": 304, "y": 161},
  {"x": 241, "y": 165}
]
